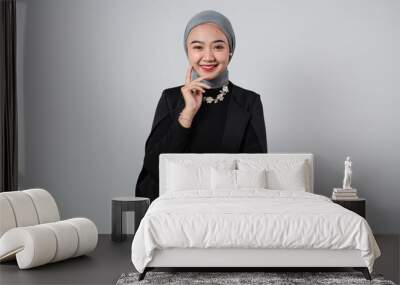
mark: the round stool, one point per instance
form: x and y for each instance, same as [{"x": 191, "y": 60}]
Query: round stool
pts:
[{"x": 138, "y": 205}]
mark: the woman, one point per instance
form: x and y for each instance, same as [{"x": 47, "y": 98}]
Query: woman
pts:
[{"x": 208, "y": 114}]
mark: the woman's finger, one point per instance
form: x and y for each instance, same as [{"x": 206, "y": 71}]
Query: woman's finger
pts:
[
  {"x": 194, "y": 88},
  {"x": 202, "y": 84},
  {"x": 201, "y": 78},
  {"x": 199, "y": 84},
  {"x": 188, "y": 75}
]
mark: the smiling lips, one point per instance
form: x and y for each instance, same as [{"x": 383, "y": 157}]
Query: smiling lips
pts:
[{"x": 208, "y": 68}]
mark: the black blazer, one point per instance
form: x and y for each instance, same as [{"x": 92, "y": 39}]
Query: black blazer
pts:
[{"x": 244, "y": 132}]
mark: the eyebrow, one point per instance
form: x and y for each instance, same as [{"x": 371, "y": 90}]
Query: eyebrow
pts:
[{"x": 200, "y": 42}]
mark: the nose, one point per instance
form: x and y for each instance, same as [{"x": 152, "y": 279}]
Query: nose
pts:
[{"x": 208, "y": 55}]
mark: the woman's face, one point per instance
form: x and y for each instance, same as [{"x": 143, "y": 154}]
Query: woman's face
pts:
[{"x": 208, "y": 50}]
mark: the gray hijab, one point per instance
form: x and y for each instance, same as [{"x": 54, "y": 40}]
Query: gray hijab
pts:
[{"x": 210, "y": 16}]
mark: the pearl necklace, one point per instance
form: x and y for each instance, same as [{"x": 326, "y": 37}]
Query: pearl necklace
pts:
[{"x": 220, "y": 96}]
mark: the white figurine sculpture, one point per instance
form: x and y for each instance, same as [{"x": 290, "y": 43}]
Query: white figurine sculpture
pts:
[{"x": 347, "y": 174}]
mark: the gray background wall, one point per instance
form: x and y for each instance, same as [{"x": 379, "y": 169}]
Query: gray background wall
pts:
[{"x": 90, "y": 73}]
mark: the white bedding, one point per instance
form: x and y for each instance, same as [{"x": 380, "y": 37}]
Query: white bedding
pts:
[{"x": 250, "y": 218}]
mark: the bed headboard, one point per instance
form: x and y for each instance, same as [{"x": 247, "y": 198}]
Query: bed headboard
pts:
[{"x": 308, "y": 157}]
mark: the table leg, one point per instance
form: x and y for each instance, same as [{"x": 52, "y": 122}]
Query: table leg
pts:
[{"x": 116, "y": 221}]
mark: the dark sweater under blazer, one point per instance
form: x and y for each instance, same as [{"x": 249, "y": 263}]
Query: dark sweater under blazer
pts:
[{"x": 244, "y": 132}]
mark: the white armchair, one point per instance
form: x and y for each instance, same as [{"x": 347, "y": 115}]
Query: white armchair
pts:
[{"x": 32, "y": 233}]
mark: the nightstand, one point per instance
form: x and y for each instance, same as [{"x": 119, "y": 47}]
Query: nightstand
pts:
[
  {"x": 138, "y": 205},
  {"x": 356, "y": 205}
]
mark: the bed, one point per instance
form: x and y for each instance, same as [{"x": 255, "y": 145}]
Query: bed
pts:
[{"x": 245, "y": 211}]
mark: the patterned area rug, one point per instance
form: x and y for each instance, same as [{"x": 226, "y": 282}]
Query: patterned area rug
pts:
[{"x": 270, "y": 278}]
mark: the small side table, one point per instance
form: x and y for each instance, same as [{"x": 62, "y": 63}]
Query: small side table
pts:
[
  {"x": 123, "y": 204},
  {"x": 356, "y": 205}
]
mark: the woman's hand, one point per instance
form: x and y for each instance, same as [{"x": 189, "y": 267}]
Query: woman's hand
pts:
[{"x": 192, "y": 93}]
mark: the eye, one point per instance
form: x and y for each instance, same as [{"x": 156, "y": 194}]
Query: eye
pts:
[
  {"x": 219, "y": 47},
  {"x": 197, "y": 47}
]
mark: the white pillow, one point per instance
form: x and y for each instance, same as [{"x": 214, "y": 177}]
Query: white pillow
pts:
[
  {"x": 187, "y": 174},
  {"x": 237, "y": 179},
  {"x": 223, "y": 179},
  {"x": 282, "y": 174},
  {"x": 251, "y": 178}
]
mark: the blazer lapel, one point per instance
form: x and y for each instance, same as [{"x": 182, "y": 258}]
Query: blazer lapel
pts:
[
  {"x": 180, "y": 104},
  {"x": 236, "y": 122}
]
